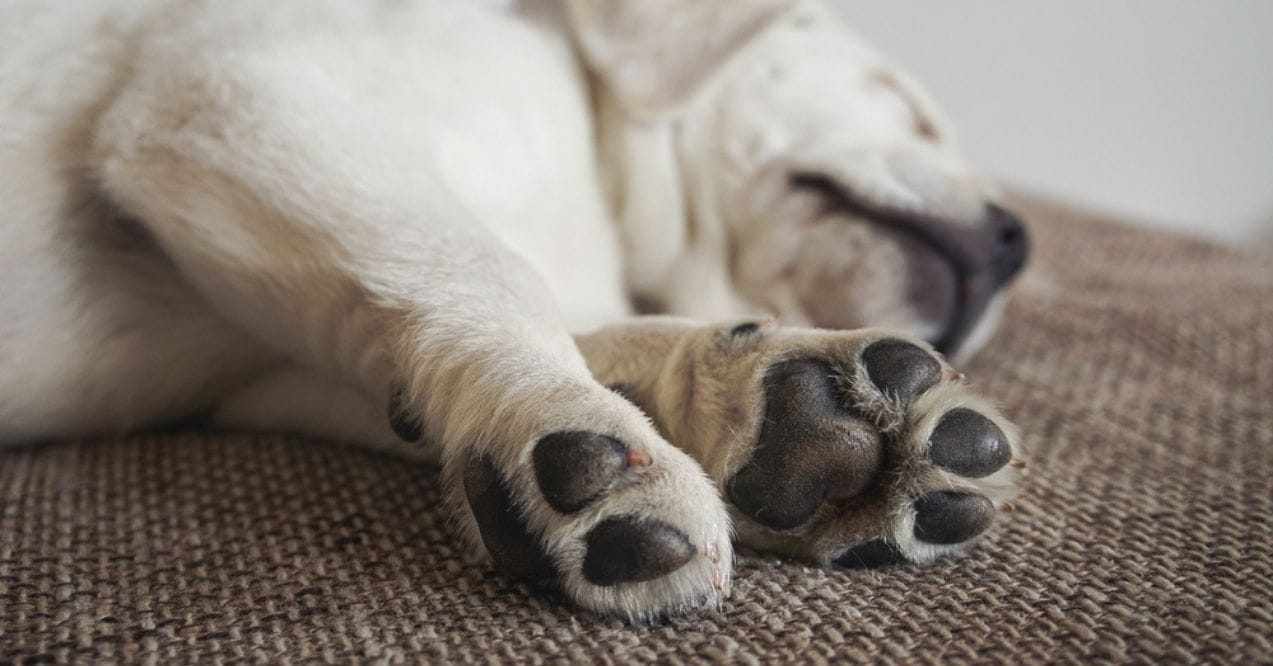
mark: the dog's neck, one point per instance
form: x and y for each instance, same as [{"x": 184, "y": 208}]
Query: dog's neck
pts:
[
  {"x": 646, "y": 193},
  {"x": 673, "y": 239}
]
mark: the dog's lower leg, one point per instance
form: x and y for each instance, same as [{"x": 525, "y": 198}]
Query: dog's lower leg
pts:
[{"x": 396, "y": 291}]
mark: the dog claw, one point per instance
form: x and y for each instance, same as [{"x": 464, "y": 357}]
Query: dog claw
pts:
[{"x": 720, "y": 581}]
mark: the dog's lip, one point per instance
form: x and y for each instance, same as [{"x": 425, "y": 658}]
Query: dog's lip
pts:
[
  {"x": 956, "y": 246},
  {"x": 974, "y": 296}
]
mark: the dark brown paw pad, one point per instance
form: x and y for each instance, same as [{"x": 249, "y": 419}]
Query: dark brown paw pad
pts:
[
  {"x": 405, "y": 425},
  {"x": 900, "y": 369},
  {"x": 969, "y": 444},
  {"x": 504, "y": 532},
  {"x": 947, "y": 517},
  {"x": 871, "y": 555},
  {"x": 811, "y": 448},
  {"x": 575, "y": 469},
  {"x": 627, "y": 549}
]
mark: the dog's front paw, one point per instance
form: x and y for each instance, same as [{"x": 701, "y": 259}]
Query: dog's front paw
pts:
[
  {"x": 857, "y": 448},
  {"x": 624, "y": 523}
]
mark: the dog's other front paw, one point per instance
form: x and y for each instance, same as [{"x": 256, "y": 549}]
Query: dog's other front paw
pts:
[
  {"x": 620, "y": 520},
  {"x": 855, "y": 448}
]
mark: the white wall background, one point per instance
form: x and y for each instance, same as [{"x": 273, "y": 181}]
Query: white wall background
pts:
[{"x": 1161, "y": 110}]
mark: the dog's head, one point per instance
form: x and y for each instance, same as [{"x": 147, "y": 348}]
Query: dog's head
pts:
[{"x": 817, "y": 174}]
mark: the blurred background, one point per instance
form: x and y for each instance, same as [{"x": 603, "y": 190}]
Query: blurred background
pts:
[{"x": 1160, "y": 111}]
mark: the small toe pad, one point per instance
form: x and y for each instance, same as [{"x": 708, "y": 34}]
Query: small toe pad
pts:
[
  {"x": 871, "y": 555},
  {"x": 901, "y": 369},
  {"x": 626, "y": 549},
  {"x": 405, "y": 425},
  {"x": 576, "y": 468},
  {"x": 947, "y": 517},
  {"x": 969, "y": 444}
]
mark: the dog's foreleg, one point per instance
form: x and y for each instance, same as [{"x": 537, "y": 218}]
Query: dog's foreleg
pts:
[
  {"x": 677, "y": 370},
  {"x": 343, "y": 255}
]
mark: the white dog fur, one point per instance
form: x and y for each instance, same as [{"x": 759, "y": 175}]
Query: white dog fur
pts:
[{"x": 286, "y": 215}]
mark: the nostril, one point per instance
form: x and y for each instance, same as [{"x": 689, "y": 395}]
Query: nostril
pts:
[
  {"x": 1012, "y": 243},
  {"x": 1009, "y": 235},
  {"x": 1005, "y": 225}
]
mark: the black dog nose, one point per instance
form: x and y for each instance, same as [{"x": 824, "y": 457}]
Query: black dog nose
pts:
[{"x": 1009, "y": 243}]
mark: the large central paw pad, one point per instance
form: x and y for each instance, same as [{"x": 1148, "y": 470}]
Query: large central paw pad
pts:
[
  {"x": 620, "y": 528},
  {"x": 811, "y": 447},
  {"x": 869, "y": 454}
]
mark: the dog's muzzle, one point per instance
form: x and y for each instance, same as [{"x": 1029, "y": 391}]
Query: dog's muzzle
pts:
[{"x": 983, "y": 256}]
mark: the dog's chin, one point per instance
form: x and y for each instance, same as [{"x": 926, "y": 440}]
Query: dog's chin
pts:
[
  {"x": 980, "y": 333},
  {"x": 959, "y": 313},
  {"x": 932, "y": 289},
  {"x": 930, "y": 320}
]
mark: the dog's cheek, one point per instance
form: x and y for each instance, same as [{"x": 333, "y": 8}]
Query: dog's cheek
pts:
[
  {"x": 854, "y": 275},
  {"x": 836, "y": 275},
  {"x": 930, "y": 285}
]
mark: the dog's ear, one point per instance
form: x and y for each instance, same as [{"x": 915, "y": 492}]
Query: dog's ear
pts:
[{"x": 654, "y": 56}]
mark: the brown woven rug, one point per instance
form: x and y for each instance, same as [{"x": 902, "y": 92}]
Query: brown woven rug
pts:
[{"x": 1140, "y": 366}]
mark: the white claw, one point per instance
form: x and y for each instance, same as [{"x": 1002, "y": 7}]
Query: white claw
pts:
[{"x": 720, "y": 580}]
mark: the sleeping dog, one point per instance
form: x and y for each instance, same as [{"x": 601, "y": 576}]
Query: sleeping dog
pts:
[{"x": 610, "y": 262}]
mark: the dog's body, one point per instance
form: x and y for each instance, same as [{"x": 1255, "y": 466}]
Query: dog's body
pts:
[{"x": 302, "y": 215}]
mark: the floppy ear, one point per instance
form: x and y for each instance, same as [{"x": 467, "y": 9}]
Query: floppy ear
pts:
[{"x": 654, "y": 56}]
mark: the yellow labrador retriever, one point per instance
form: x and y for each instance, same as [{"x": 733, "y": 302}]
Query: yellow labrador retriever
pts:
[{"x": 439, "y": 222}]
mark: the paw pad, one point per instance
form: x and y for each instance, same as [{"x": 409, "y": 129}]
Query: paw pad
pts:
[
  {"x": 626, "y": 549},
  {"x": 575, "y": 469},
  {"x": 810, "y": 449},
  {"x": 969, "y": 444},
  {"x": 870, "y": 555},
  {"x": 503, "y": 530},
  {"x": 404, "y": 424},
  {"x": 946, "y": 517},
  {"x": 901, "y": 369}
]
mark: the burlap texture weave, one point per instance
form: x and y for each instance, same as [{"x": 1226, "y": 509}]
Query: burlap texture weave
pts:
[{"x": 1140, "y": 366}]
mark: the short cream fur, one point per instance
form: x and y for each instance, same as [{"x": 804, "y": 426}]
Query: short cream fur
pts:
[{"x": 282, "y": 213}]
